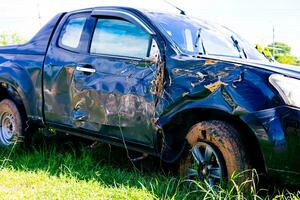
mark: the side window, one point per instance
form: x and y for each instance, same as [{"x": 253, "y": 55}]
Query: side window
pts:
[
  {"x": 71, "y": 33},
  {"x": 121, "y": 38}
]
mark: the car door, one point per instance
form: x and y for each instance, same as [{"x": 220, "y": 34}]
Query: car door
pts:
[{"x": 109, "y": 88}]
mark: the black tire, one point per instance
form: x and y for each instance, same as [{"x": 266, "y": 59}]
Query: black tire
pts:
[
  {"x": 11, "y": 124},
  {"x": 223, "y": 143}
]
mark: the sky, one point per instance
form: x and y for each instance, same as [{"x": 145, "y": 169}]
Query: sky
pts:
[{"x": 252, "y": 19}]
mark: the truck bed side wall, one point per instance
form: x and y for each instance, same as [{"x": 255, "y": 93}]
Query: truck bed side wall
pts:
[{"x": 21, "y": 67}]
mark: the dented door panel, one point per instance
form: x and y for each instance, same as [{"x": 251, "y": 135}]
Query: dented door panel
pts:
[
  {"x": 116, "y": 99},
  {"x": 106, "y": 95}
]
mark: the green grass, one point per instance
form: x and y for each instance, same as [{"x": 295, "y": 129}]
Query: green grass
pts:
[{"x": 65, "y": 169}]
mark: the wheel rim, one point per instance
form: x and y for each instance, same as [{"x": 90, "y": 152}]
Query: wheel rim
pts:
[
  {"x": 7, "y": 129},
  {"x": 206, "y": 164}
]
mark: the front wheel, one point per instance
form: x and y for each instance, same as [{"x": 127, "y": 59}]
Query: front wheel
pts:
[
  {"x": 215, "y": 153},
  {"x": 11, "y": 124}
]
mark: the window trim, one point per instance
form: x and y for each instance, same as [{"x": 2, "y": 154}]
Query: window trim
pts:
[
  {"x": 123, "y": 15},
  {"x": 114, "y": 55}
]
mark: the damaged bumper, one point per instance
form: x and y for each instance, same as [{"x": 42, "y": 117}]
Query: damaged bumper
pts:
[{"x": 278, "y": 132}]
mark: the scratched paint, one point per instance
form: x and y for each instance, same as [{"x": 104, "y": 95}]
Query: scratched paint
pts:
[{"x": 134, "y": 99}]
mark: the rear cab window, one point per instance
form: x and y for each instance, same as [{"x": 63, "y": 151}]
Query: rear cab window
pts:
[{"x": 72, "y": 32}]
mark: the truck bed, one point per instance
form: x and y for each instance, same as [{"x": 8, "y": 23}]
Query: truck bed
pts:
[{"x": 22, "y": 67}]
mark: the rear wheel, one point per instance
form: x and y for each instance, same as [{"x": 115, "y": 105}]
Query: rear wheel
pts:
[
  {"x": 11, "y": 123},
  {"x": 215, "y": 153}
]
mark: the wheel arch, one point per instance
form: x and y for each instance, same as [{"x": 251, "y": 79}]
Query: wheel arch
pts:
[
  {"x": 7, "y": 90},
  {"x": 184, "y": 120},
  {"x": 17, "y": 84}
]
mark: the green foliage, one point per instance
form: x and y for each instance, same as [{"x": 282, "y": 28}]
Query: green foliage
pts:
[
  {"x": 288, "y": 59},
  {"x": 10, "y": 39},
  {"x": 280, "y": 48},
  {"x": 65, "y": 169},
  {"x": 282, "y": 53},
  {"x": 264, "y": 51}
]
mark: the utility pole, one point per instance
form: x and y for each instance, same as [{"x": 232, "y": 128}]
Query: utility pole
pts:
[
  {"x": 273, "y": 49},
  {"x": 39, "y": 13}
]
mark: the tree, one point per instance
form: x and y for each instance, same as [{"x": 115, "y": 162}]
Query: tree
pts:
[
  {"x": 264, "y": 51},
  {"x": 288, "y": 59},
  {"x": 282, "y": 53},
  {"x": 9, "y": 39},
  {"x": 280, "y": 48}
]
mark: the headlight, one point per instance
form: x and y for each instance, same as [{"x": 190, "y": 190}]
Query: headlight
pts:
[{"x": 288, "y": 88}]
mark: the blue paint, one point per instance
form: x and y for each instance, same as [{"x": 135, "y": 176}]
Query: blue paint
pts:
[{"x": 138, "y": 98}]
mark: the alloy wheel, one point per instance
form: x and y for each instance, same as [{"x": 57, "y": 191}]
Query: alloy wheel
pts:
[{"x": 206, "y": 164}]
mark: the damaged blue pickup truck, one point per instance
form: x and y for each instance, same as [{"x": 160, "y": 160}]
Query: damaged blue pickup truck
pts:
[{"x": 192, "y": 93}]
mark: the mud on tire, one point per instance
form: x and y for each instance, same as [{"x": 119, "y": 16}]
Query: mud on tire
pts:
[{"x": 223, "y": 140}]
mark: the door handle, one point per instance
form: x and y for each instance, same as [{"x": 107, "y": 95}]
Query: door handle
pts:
[{"x": 86, "y": 69}]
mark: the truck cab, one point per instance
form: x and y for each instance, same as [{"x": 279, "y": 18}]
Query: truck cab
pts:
[{"x": 167, "y": 85}]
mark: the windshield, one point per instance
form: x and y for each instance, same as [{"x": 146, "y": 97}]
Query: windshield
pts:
[{"x": 193, "y": 37}]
